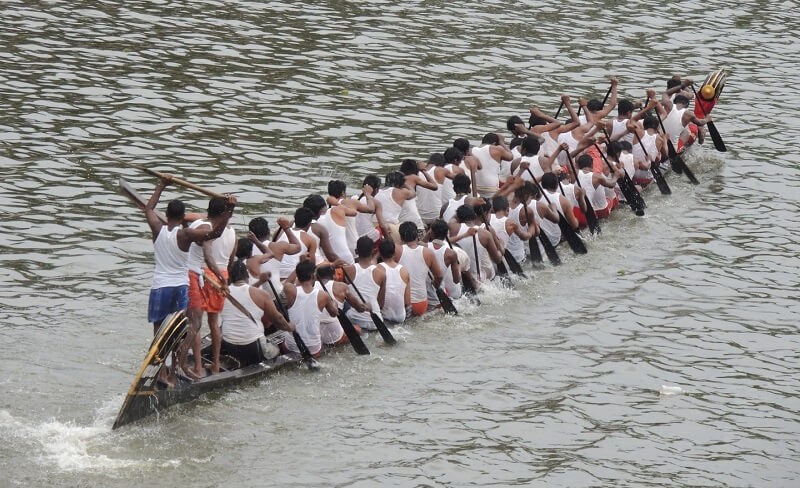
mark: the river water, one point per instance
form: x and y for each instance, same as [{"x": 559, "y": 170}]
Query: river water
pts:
[{"x": 553, "y": 383}]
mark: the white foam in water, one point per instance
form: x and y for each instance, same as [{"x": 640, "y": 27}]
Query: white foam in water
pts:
[
  {"x": 71, "y": 447},
  {"x": 667, "y": 390}
]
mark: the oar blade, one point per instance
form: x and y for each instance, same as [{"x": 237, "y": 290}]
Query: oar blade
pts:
[
  {"x": 661, "y": 182},
  {"x": 719, "y": 144},
  {"x": 549, "y": 250},
  {"x": 573, "y": 239},
  {"x": 352, "y": 334},
  {"x": 591, "y": 217},
  {"x": 513, "y": 264},
  {"x": 382, "y": 329},
  {"x": 447, "y": 304}
]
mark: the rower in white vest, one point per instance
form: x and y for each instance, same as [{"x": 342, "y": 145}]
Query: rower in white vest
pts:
[
  {"x": 452, "y": 159},
  {"x": 415, "y": 178},
  {"x": 463, "y": 196},
  {"x": 491, "y": 152},
  {"x": 330, "y": 329},
  {"x": 397, "y": 297},
  {"x": 392, "y": 199},
  {"x": 334, "y": 219},
  {"x": 364, "y": 204},
  {"x": 270, "y": 254},
  {"x": 369, "y": 224},
  {"x": 318, "y": 232},
  {"x": 448, "y": 261},
  {"x": 420, "y": 262},
  {"x": 505, "y": 228},
  {"x": 429, "y": 202},
  {"x": 308, "y": 245},
  {"x": 306, "y": 304},
  {"x": 369, "y": 280},
  {"x": 469, "y": 164},
  {"x": 652, "y": 152},
  {"x": 594, "y": 185},
  {"x": 477, "y": 242},
  {"x": 242, "y": 330}
]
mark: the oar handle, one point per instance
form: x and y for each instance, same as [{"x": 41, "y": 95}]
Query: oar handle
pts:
[
  {"x": 350, "y": 282},
  {"x": 572, "y": 166},
  {"x": 477, "y": 264},
  {"x": 175, "y": 180},
  {"x": 541, "y": 190},
  {"x": 558, "y": 112}
]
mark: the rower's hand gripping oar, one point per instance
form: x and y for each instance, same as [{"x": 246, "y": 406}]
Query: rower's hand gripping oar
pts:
[
  {"x": 719, "y": 144},
  {"x": 301, "y": 345},
  {"x": 572, "y": 237},
  {"x": 591, "y": 217},
  {"x": 379, "y": 324},
  {"x": 352, "y": 334},
  {"x": 626, "y": 186},
  {"x": 676, "y": 159}
]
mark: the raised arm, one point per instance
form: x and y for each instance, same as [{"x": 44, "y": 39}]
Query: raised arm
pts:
[{"x": 149, "y": 209}]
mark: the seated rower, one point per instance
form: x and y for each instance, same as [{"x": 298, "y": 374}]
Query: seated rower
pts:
[
  {"x": 369, "y": 223},
  {"x": 517, "y": 213},
  {"x": 477, "y": 242},
  {"x": 418, "y": 180},
  {"x": 429, "y": 202},
  {"x": 370, "y": 279},
  {"x": 362, "y": 205},
  {"x": 505, "y": 227},
  {"x": 418, "y": 261},
  {"x": 335, "y": 220},
  {"x": 392, "y": 200},
  {"x": 451, "y": 160},
  {"x": 397, "y": 296},
  {"x": 242, "y": 330},
  {"x": 490, "y": 155},
  {"x": 330, "y": 329},
  {"x": 462, "y": 188},
  {"x": 270, "y": 253},
  {"x": 308, "y": 246},
  {"x": 448, "y": 260},
  {"x": 318, "y": 232},
  {"x": 594, "y": 183},
  {"x": 306, "y": 303},
  {"x": 574, "y": 194},
  {"x": 559, "y": 205}
]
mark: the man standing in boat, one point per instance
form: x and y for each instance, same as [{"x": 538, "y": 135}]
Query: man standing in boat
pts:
[{"x": 170, "y": 290}]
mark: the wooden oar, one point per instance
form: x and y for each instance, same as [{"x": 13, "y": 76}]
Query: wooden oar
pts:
[
  {"x": 605, "y": 99},
  {"x": 661, "y": 182},
  {"x": 447, "y": 304},
  {"x": 174, "y": 180},
  {"x": 558, "y": 112},
  {"x": 352, "y": 334},
  {"x": 379, "y": 324},
  {"x": 304, "y": 352},
  {"x": 536, "y": 255},
  {"x": 676, "y": 159},
  {"x": 591, "y": 217},
  {"x": 477, "y": 264},
  {"x": 138, "y": 199},
  {"x": 569, "y": 234},
  {"x": 712, "y": 129},
  {"x": 626, "y": 186}
]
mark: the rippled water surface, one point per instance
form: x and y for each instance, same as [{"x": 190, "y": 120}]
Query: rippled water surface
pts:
[{"x": 553, "y": 383}]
